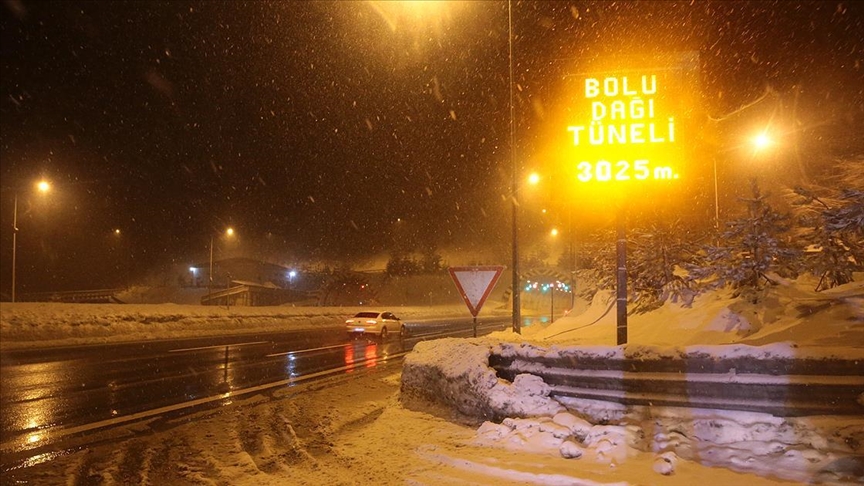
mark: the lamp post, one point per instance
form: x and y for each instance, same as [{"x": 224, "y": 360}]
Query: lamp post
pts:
[
  {"x": 760, "y": 142},
  {"x": 422, "y": 8},
  {"x": 210, "y": 272},
  {"x": 517, "y": 317},
  {"x": 228, "y": 232},
  {"x": 14, "y": 242},
  {"x": 716, "y": 197},
  {"x": 42, "y": 186}
]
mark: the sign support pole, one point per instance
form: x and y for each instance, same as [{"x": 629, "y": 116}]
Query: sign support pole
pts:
[
  {"x": 647, "y": 148},
  {"x": 475, "y": 326},
  {"x": 621, "y": 287}
]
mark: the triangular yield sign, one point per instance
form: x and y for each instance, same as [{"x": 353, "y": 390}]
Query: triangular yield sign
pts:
[{"x": 475, "y": 284}]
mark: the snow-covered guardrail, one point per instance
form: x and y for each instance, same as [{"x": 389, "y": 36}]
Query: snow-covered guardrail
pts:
[
  {"x": 73, "y": 296},
  {"x": 779, "y": 385}
]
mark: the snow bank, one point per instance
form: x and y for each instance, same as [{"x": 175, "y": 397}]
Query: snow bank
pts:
[
  {"x": 521, "y": 416},
  {"x": 806, "y": 450},
  {"x": 788, "y": 312},
  {"x": 27, "y": 324},
  {"x": 456, "y": 373}
]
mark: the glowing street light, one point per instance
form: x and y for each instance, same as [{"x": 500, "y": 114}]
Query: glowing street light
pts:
[
  {"x": 43, "y": 187},
  {"x": 762, "y": 141}
]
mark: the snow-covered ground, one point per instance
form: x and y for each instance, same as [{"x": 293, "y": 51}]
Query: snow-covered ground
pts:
[
  {"x": 789, "y": 312},
  {"x": 645, "y": 444},
  {"x": 371, "y": 436}
]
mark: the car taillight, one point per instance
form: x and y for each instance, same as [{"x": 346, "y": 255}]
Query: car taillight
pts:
[{"x": 371, "y": 321}]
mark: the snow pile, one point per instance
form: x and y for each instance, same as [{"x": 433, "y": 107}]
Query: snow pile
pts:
[
  {"x": 450, "y": 372},
  {"x": 455, "y": 373},
  {"x": 564, "y": 434},
  {"x": 809, "y": 449},
  {"x": 804, "y": 450}
]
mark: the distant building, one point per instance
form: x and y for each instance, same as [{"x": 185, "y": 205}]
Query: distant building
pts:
[
  {"x": 243, "y": 269},
  {"x": 242, "y": 293},
  {"x": 245, "y": 282}
]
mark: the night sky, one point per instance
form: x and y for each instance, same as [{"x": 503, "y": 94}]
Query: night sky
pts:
[{"x": 329, "y": 129}]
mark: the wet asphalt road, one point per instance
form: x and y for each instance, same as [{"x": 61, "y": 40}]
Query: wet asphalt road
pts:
[{"x": 52, "y": 393}]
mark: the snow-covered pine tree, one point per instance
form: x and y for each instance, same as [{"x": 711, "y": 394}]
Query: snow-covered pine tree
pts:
[
  {"x": 654, "y": 253},
  {"x": 834, "y": 234},
  {"x": 830, "y": 219},
  {"x": 597, "y": 253},
  {"x": 749, "y": 247}
]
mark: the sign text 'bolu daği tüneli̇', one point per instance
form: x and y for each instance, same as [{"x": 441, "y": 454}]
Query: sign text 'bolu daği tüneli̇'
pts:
[{"x": 630, "y": 131}]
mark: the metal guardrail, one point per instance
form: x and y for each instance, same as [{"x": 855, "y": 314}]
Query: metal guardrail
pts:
[
  {"x": 73, "y": 296},
  {"x": 778, "y": 386}
]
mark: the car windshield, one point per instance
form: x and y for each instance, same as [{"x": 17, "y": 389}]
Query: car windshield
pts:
[{"x": 624, "y": 239}]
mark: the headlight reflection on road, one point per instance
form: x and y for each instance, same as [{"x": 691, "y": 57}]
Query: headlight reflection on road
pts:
[
  {"x": 37, "y": 435},
  {"x": 291, "y": 365}
]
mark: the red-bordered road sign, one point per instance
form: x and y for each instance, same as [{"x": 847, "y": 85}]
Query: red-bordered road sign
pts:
[{"x": 475, "y": 284}]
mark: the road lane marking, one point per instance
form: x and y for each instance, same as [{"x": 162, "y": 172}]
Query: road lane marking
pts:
[
  {"x": 220, "y": 346},
  {"x": 53, "y": 435},
  {"x": 298, "y": 351}
]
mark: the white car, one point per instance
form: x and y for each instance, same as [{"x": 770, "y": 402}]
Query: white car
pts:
[{"x": 373, "y": 322}]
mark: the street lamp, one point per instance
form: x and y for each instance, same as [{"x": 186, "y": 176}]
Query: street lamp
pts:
[
  {"x": 43, "y": 187},
  {"x": 229, "y": 233},
  {"x": 760, "y": 142},
  {"x": 291, "y": 276}
]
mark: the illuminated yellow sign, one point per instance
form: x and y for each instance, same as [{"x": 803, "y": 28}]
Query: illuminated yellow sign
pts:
[{"x": 631, "y": 134}]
